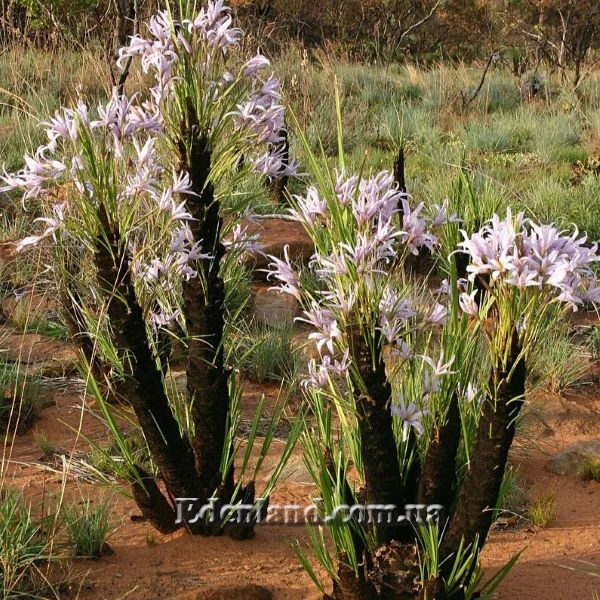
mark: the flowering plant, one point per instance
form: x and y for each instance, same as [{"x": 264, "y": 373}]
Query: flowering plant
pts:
[
  {"x": 414, "y": 393},
  {"x": 147, "y": 198}
]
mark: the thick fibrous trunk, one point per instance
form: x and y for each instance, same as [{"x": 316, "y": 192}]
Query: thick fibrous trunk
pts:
[
  {"x": 143, "y": 387},
  {"x": 350, "y": 584},
  {"x": 125, "y": 26},
  {"x": 154, "y": 505},
  {"x": 351, "y": 587},
  {"x": 436, "y": 485},
  {"x": 75, "y": 321},
  {"x": 479, "y": 490},
  {"x": 378, "y": 445},
  {"x": 399, "y": 176},
  {"x": 204, "y": 304}
]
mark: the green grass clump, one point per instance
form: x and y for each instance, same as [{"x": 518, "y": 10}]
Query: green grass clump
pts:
[
  {"x": 45, "y": 445},
  {"x": 512, "y": 498},
  {"x": 542, "y": 510},
  {"x": 558, "y": 365},
  {"x": 25, "y": 548},
  {"x": 265, "y": 353},
  {"x": 88, "y": 525},
  {"x": 590, "y": 469}
]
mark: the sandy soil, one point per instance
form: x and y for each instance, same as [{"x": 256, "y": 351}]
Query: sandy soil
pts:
[{"x": 554, "y": 565}]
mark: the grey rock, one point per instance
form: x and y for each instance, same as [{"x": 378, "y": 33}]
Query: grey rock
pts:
[
  {"x": 273, "y": 307},
  {"x": 569, "y": 461}
]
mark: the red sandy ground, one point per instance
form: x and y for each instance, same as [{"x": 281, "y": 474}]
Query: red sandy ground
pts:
[{"x": 147, "y": 565}]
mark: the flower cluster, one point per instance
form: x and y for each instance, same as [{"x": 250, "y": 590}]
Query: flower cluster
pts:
[
  {"x": 112, "y": 158},
  {"x": 242, "y": 243},
  {"x": 195, "y": 51},
  {"x": 412, "y": 414},
  {"x": 371, "y": 229},
  {"x": 518, "y": 252}
]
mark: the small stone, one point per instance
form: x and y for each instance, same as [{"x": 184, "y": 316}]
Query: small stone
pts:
[
  {"x": 569, "y": 461},
  {"x": 295, "y": 471},
  {"x": 273, "y": 307},
  {"x": 28, "y": 308}
]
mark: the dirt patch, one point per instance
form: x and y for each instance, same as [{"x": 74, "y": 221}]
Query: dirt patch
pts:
[{"x": 557, "y": 562}]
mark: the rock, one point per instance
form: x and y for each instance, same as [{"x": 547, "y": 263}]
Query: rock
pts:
[
  {"x": 40, "y": 355},
  {"x": 275, "y": 234},
  {"x": 569, "y": 461},
  {"x": 306, "y": 349},
  {"x": 243, "y": 591},
  {"x": 27, "y": 309},
  {"x": 273, "y": 307}
]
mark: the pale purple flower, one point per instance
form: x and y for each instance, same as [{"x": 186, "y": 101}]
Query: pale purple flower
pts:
[
  {"x": 444, "y": 288},
  {"x": 325, "y": 323},
  {"x": 145, "y": 153},
  {"x": 346, "y": 188},
  {"x": 402, "y": 350},
  {"x": 223, "y": 35},
  {"x": 441, "y": 215},
  {"x": 310, "y": 207},
  {"x": 146, "y": 117},
  {"x": 339, "y": 366},
  {"x": 440, "y": 368},
  {"x": 261, "y": 117},
  {"x": 341, "y": 300},
  {"x": 519, "y": 253},
  {"x": 160, "y": 320},
  {"x": 411, "y": 417},
  {"x": 468, "y": 304},
  {"x": 390, "y": 329},
  {"x": 394, "y": 311},
  {"x": 522, "y": 274},
  {"x": 471, "y": 393},
  {"x": 243, "y": 242},
  {"x": 431, "y": 383},
  {"x": 208, "y": 17},
  {"x": 194, "y": 253},
  {"x": 591, "y": 293},
  {"x": 38, "y": 171},
  {"x": 275, "y": 164},
  {"x": 377, "y": 196},
  {"x": 64, "y": 125},
  {"x": 137, "y": 47},
  {"x": 416, "y": 232},
  {"x": 394, "y": 306},
  {"x": 334, "y": 264},
  {"x": 436, "y": 314},
  {"x": 363, "y": 254},
  {"x": 318, "y": 375},
  {"x": 154, "y": 270},
  {"x": 283, "y": 272},
  {"x": 384, "y": 236},
  {"x": 270, "y": 91},
  {"x": 181, "y": 183},
  {"x": 255, "y": 64}
]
